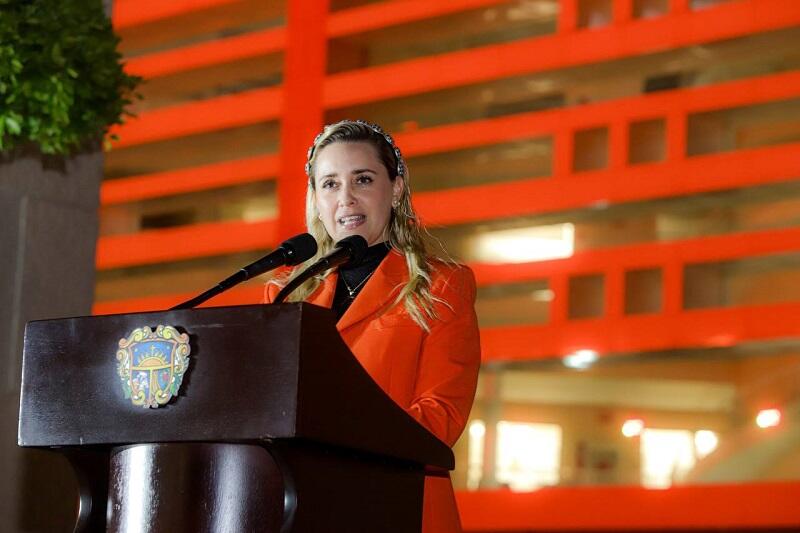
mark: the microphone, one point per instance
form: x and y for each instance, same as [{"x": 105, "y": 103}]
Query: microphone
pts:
[
  {"x": 350, "y": 248},
  {"x": 290, "y": 252}
]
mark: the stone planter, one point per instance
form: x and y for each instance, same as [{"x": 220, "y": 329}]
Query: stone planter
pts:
[{"x": 48, "y": 232}]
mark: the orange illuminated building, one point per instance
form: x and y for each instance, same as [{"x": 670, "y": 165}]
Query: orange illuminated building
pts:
[{"x": 622, "y": 175}]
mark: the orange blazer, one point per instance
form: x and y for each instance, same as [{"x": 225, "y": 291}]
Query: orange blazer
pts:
[{"x": 432, "y": 375}]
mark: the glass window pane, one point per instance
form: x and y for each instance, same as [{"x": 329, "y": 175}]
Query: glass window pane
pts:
[
  {"x": 747, "y": 209},
  {"x": 586, "y": 296},
  {"x": 591, "y": 149},
  {"x": 477, "y": 433},
  {"x": 176, "y": 277},
  {"x": 514, "y": 303},
  {"x": 201, "y": 25},
  {"x": 697, "y": 407},
  {"x": 528, "y": 158},
  {"x": 667, "y": 456},
  {"x": 643, "y": 291},
  {"x": 647, "y": 141},
  {"x": 693, "y": 66},
  {"x": 210, "y": 82},
  {"x": 194, "y": 150},
  {"x": 594, "y": 13},
  {"x": 500, "y": 23},
  {"x": 646, "y": 9},
  {"x": 528, "y": 455},
  {"x": 762, "y": 280},
  {"x": 250, "y": 202},
  {"x": 744, "y": 127}
]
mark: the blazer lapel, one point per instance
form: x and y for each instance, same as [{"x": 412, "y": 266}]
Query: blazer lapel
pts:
[{"x": 381, "y": 289}]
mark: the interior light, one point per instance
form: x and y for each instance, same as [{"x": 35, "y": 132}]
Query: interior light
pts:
[
  {"x": 580, "y": 359},
  {"x": 667, "y": 456},
  {"x": 475, "y": 450},
  {"x": 527, "y": 455},
  {"x": 477, "y": 429},
  {"x": 524, "y": 245},
  {"x": 633, "y": 427},
  {"x": 256, "y": 211},
  {"x": 527, "y": 10},
  {"x": 768, "y": 418},
  {"x": 543, "y": 295},
  {"x": 705, "y": 442}
]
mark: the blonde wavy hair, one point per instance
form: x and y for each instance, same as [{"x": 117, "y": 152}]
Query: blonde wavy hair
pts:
[{"x": 405, "y": 232}]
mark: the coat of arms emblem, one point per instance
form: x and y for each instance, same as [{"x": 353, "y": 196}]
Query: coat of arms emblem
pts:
[{"x": 151, "y": 364}]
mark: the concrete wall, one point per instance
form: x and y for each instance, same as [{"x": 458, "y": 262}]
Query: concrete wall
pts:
[{"x": 48, "y": 231}]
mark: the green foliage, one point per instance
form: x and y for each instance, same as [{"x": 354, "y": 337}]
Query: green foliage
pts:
[{"x": 61, "y": 79}]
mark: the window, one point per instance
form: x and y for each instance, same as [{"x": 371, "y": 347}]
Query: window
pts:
[
  {"x": 528, "y": 455},
  {"x": 477, "y": 432},
  {"x": 669, "y": 454}
]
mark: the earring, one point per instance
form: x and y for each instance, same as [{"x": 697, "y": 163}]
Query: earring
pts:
[{"x": 395, "y": 203}]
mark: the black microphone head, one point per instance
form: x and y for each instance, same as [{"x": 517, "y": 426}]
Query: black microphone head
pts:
[
  {"x": 299, "y": 248},
  {"x": 356, "y": 246}
]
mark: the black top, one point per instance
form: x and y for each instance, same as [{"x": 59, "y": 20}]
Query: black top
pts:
[{"x": 353, "y": 277}]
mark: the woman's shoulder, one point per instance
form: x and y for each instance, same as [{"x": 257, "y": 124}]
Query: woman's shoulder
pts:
[
  {"x": 449, "y": 268},
  {"x": 451, "y": 276}
]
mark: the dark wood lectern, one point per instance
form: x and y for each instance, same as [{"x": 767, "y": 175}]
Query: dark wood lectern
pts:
[{"x": 276, "y": 428}]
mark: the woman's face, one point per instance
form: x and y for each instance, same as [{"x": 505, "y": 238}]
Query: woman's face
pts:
[{"x": 353, "y": 192}]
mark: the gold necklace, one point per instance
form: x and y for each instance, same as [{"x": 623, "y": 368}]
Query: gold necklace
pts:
[{"x": 352, "y": 292}]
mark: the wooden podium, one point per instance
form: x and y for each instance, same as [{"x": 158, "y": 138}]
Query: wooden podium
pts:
[{"x": 276, "y": 428}]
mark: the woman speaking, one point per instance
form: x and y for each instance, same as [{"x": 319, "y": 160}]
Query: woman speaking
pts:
[{"x": 407, "y": 316}]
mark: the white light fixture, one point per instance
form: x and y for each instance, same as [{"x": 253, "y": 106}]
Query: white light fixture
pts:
[
  {"x": 543, "y": 295},
  {"x": 768, "y": 418},
  {"x": 525, "y": 245},
  {"x": 580, "y": 359},
  {"x": 477, "y": 429},
  {"x": 632, "y": 427},
  {"x": 705, "y": 442}
]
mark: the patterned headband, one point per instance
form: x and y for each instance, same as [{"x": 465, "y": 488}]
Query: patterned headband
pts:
[{"x": 401, "y": 164}]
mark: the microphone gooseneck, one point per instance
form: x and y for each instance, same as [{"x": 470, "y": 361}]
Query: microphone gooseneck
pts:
[
  {"x": 290, "y": 252},
  {"x": 349, "y": 249}
]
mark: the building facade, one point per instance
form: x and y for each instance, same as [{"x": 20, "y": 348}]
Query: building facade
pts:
[{"x": 622, "y": 175}]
